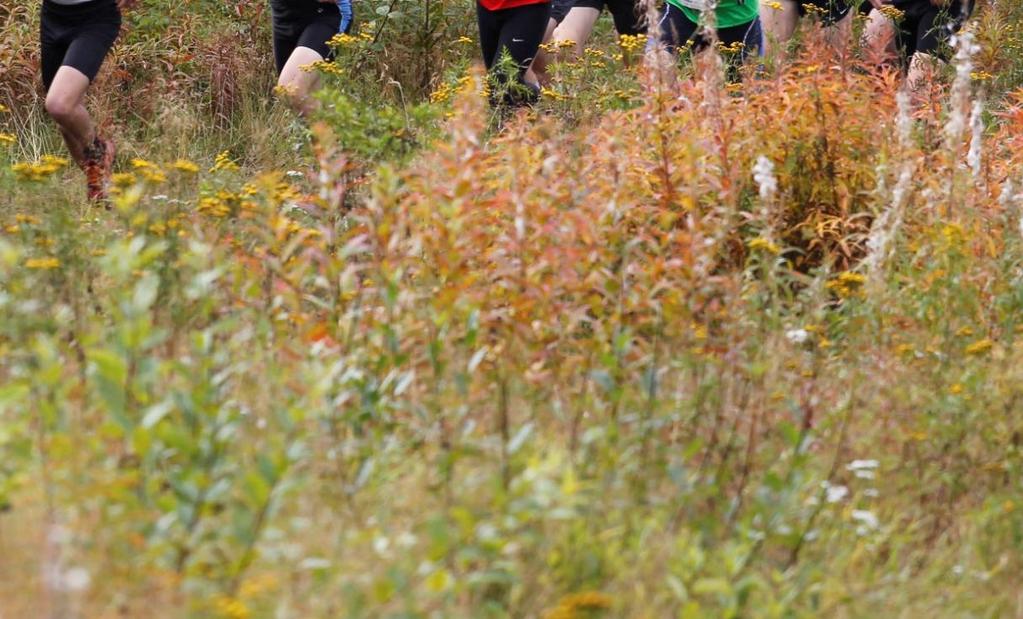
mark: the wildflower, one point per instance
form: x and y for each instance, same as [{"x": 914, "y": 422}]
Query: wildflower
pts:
[
  {"x": 142, "y": 164},
  {"x": 325, "y": 66},
  {"x": 956, "y": 389},
  {"x": 797, "y": 336},
  {"x": 463, "y": 40},
  {"x": 980, "y": 347},
  {"x": 185, "y": 166},
  {"x": 868, "y": 521},
  {"x": 892, "y": 13},
  {"x": 76, "y": 579},
  {"x": 762, "y": 244},
  {"x": 773, "y": 4},
  {"x": 8, "y": 139},
  {"x": 232, "y": 608},
  {"x": 39, "y": 170},
  {"x": 4, "y": 109},
  {"x": 549, "y": 93},
  {"x": 763, "y": 174},
  {"x": 570, "y": 605},
  {"x": 153, "y": 175},
  {"x": 834, "y": 494},
  {"x": 42, "y": 264},
  {"x": 342, "y": 40},
  {"x": 863, "y": 469},
  {"x": 847, "y": 284},
  {"x": 123, "y": 180},
  {"x": 631, "y": 43},
  {"x": 224, "y": 162},
  {"x": 973, "y": 156}
]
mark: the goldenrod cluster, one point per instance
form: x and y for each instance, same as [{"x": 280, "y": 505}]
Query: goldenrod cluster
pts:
[
  {"x": 447, "y": 90},
  {"x": 42, "y": 264},
  {"x": 892, "y": 13},
  {"x": 571, "y": 606},
  {"x": 765, "y": 245},
  {"x": 224, "y": 162},
  {"x": 220, "y": 205},
  {"x": 149, "y": 171},
  {"x": 550, "y": 93},
  {"x": 39, "y": 170},
  {"x": 632, "y": 42},
  {"x": 186, "y": 167},
  {"x": 231, "y": 608},
  {"x": 848, "y": 284},
  {"x": 980, "y": 347},
  {"x": 813, "y": 9},
  {"x": 325, "y": 66}
]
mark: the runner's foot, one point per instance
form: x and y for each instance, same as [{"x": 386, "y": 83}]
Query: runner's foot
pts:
[{"x": 99, "y": 165}]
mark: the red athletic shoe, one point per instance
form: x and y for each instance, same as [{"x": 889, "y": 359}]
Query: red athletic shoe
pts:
[{"x": 99, "y": 165}]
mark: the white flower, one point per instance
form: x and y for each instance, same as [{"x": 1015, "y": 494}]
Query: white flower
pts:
[
  {"x": 973, "y": 157},
  {"x": 863, "y": 469},
  {"x": 763, "y": 174},
  {"x": 797, "y": 336},
  {"x": 76, "y": 579},
  {"x": 836, "y": 493},
  {"x": 868, "y": 521}
]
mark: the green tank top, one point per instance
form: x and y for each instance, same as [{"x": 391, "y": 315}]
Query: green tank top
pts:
[{"x": 729, "y": 12}]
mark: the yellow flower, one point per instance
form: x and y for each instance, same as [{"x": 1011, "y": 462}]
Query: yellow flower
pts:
[
  {"x": 8, "y": 139},
  {"x": 42, "y": 264},
  {"x": 231, "y": 608},
  {"x": 3, "y": 109},
  {"x": 142, "y": 164},
  {"x": 847, "y": 284},
  {"x": 892, "y": 13},
  {"x": 224, "y": 162},
  {"x": 569, "y": 606},
  {"x": 980, "y": 347},
  {"x": 341, "y": 40},
  {"x": 153, "y": 175},
  {"x": 185, "y": 166},
  {"x": 762, "y": 244},
  {"x": 39, "y": 170},
  {"x": 463, "y": 40},
  {"x": 956, "y": 389},
  {"x": 123, "y": 180}
]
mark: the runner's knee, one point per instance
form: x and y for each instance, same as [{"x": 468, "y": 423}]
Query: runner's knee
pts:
[{"x": 60, "y": 107}]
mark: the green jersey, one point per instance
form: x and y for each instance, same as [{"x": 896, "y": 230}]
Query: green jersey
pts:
[{"x": 729, "y": 12}]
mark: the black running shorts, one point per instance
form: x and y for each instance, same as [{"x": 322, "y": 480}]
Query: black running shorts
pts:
[
  {"x": 926, "y": 28},
  {"x": 77, "y": 36},
  {"x": 830, "y": 12},
  {"x": 626, "y": 14},
  {"x": 303, "y": 23},
  {"x": 560, "y": 8}
]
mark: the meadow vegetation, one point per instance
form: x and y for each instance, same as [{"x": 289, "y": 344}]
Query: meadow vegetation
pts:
[{"x": 649, "y": 350}]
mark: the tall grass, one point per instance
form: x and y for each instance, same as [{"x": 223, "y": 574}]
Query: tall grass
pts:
[{"x": 694, "y": 355}]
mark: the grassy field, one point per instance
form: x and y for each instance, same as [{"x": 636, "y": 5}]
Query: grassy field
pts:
[{"x": 646, "y": 351}]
